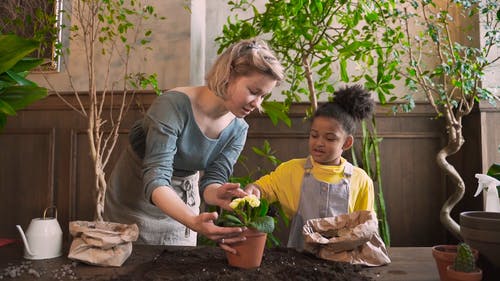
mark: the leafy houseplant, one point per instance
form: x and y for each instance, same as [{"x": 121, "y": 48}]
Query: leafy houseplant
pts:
[
  {"x": 464, "y": 265},
  {"x": 17, "y": 92},
  {"x": 111, "y": 33},
  {"x": 449, "y": 70},
  {"x": 314, "y": 38},
  {"x": 249, "y": 211}
]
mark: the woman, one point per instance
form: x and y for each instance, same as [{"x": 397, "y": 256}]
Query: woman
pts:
[{"x": 156, "y": 183}]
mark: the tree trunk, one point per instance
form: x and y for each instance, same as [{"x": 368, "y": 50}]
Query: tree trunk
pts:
[
  {"x": 455, "y": 142},
  {"x": 101, "y": 186}
]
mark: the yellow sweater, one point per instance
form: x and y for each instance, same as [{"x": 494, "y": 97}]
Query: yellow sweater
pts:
[{"x": 284, "y": 184}]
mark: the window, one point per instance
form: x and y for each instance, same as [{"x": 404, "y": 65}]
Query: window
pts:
[{"x": 36, "y": 19}]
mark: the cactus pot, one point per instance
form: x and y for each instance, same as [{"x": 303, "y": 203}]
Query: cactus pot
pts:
[
  {"x": 453, "y": 275},
  {"x": 481, "y": 230},
  {"x": 444, "y": 256}
]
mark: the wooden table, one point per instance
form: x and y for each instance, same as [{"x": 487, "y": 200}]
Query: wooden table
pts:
[{"x": 408, "y": 264}]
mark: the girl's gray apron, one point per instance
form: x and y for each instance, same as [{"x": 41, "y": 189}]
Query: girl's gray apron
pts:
[
  {"x": 318, "y": 200},
  {"x": 126, "y": 203}
]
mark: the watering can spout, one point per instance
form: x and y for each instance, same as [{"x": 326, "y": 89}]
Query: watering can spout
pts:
[{"x": 25, "y": 241}]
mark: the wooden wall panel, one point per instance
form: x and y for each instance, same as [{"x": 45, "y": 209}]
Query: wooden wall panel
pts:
[
  {"x": 413, "y": 185},
  {"x": 26, "y": 177},
  {"x": 45, "y": 161},
  {"x": 413, "y": 188},
  {"x": 82, "y": 191}
]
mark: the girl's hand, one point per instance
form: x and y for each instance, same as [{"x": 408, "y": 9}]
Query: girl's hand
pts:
[
  {"x": 252, "y": 189},
  {"x": 225, "y": 236}
]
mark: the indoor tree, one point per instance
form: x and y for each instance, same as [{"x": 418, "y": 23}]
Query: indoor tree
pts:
[
  {"x": 449, "y": 70},
  {"x": 323, "y": 44},
  {"x": 110, "y": 32}
]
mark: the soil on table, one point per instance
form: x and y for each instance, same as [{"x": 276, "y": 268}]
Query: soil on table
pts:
[{"x": 209, "y": 263}]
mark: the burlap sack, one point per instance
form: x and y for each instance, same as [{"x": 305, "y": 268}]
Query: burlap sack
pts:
[
  {"x": 101, "y": 243},
  {"x": 349, "y": 238}
]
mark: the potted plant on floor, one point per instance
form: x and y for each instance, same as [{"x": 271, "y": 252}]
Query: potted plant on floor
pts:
[
  {"x": 318, "y": 42},
  {"x": 110, "y": 34},
  {"x": 250, "y": 212},
  {"x": 448, "y": 66},
  {"x": 464, "y": 266}
]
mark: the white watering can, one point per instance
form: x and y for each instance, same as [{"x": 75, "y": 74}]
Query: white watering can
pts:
[
  {"x": 43, "y": 239},
  {"x": 490, "y": 196}
]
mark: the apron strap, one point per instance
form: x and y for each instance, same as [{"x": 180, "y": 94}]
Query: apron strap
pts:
[
  {"x": 348, "y": 170},
  {"x": 308, "y": 165}
]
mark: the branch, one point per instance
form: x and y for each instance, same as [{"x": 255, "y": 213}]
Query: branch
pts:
[{"x": 310, "y": 83}]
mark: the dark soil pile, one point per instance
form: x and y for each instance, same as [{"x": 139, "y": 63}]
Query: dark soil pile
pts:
[{"x": 209, "y": 263}]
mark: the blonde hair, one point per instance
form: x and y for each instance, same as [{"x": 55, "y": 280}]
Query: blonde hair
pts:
[{"x": 240, "y": 59}]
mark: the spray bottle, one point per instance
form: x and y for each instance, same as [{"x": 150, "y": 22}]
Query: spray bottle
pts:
[{"x": 490, "y": 196}]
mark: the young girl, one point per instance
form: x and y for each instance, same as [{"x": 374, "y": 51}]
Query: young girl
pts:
[{"x": 323, "y": 184}]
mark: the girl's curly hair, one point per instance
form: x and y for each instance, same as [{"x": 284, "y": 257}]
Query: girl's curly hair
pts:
[{"x": 350, "y": 105}]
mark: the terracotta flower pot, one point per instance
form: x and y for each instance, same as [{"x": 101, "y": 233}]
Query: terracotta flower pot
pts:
[
  {"x": 453, "y": 275},
  {"x": 249, "y": 252},
  {"x": 444, "y": 256}
]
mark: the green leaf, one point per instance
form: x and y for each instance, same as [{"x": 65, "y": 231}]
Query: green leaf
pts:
[
  {"x": 13, "y": 48},
  {"x": 494, "y": 171},
  {"x": 26, "y": 64},
  {"x": 18, "y": 97},
  {"x": 263, "y": 207},
  {"x": 232, "y": 218},
  {"x": 19, "y": 78},
  {"x": 6, "y": 109},
  {"x": 264, "y": 224},
  {"x": 343, "y": 70},
  {"x": 277, "y": 111}
]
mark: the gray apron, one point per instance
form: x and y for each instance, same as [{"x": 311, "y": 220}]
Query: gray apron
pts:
[
  {"x": 318, "y": 200},
  {"x": 126, "y": 203}
]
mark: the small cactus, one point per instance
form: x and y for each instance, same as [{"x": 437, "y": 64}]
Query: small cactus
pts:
[{"x": 464, "y": 261}]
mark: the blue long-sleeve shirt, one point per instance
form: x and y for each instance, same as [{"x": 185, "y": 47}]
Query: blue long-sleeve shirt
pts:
[{"x": 169, "y": 142}]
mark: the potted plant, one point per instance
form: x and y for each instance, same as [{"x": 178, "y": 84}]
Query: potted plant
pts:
[
  {"x": 464, "y": 266},
  {"x": 445, "y": 255},
  {"x": 17, "y": 92},
  {"x": 481, "y": 229},
  {"x": 250, "y": 212},
  {"x": 449, "y": 68},
  {"x": 313, "y": 39},
  {"x": 110, "y": 33}
]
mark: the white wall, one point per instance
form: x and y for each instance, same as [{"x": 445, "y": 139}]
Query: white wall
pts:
[
  {"x": 183, "y": 48},
  {"x": 169, "y": 57}
]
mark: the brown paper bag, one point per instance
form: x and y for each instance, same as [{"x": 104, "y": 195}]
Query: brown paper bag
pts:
[
  {"x": 101, "y": 243},
  {"x": 349, "y": 238}
]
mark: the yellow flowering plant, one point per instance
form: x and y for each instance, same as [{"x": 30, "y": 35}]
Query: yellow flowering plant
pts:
[{"x": 249, "y": 211}]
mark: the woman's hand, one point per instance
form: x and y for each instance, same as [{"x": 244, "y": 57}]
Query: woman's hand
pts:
[
  {"x": 167, "y": 200},
  {"x": 225, "y": 236},
  {"x": 252, "y": 189}
]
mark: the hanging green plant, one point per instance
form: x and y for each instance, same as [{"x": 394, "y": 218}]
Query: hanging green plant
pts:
[{"x": 16, "y": 91}]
